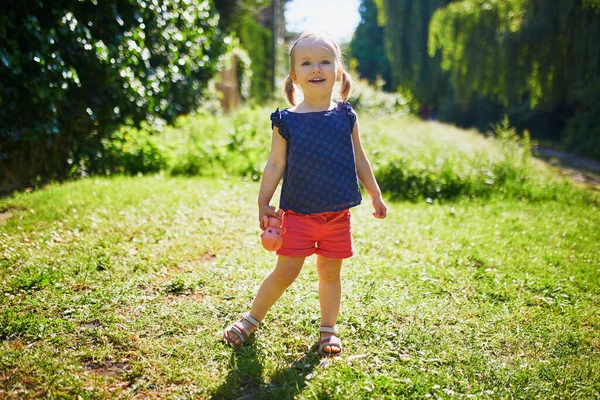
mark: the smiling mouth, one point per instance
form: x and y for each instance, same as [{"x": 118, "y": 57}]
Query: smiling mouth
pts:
[{"x": 317, "y": 80}]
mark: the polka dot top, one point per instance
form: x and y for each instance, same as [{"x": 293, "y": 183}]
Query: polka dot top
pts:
[{"x": 320, "y": 174}]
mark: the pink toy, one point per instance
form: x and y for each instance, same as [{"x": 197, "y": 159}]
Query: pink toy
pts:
[{"x": 272, "y": 238}]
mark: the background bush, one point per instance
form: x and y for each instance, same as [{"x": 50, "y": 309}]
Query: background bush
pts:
[
  {"x": 73, "y": 71},
  {"x": 443, "y": 163},
  {"x": 375, "y": 101},
  {"x": 132, "y": 151}
]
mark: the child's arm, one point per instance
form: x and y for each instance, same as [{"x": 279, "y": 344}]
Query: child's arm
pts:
[
  {"x": 271, "y": 175},
  {"x": 366, "y": 177}
]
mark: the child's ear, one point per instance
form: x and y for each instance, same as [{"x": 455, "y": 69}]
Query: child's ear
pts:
[
  {"x": 338, "y": 74},
  {"x": 293, "y": 76}
]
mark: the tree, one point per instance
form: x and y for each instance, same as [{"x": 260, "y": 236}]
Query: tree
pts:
[
  {"x": 240, "y": 18},
  {"x": 368, "y": 47},
  {"x": 73, "y": 70},
  {"x": 406, "y": 33},
  {"x": 476, "y": 60},
  {"x": 514, "y": 51}
]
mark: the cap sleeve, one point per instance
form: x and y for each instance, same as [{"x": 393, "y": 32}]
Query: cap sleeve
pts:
[
  {"x": 350, "y": 112},
  {"x": 277, "y": 121}
]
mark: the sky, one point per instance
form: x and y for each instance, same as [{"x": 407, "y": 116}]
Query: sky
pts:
[{"x": 338, "y": 18}]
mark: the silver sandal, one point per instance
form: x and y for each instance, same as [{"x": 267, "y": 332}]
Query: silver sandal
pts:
[
  {"x": 240, "y": 331},
  {"x": 330, "y": 341}
]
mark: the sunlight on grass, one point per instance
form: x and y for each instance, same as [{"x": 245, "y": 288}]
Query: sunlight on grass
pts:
[{"x": 120, "y": 287}]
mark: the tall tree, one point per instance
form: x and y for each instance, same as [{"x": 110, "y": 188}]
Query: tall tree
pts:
[
  {"x": 509, "y": 50},
  {"x": 406, "y": 35},
  {"x": 478, "y": 59},
  {"x": 535, "y": 51},
  {"x": 368, "y": 47}
]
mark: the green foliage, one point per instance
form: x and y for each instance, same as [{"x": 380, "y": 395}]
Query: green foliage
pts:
[
  {"x": 242, "y": 19},
  {"x": 591, "y": 4},
  {"x": 487, "y": 58},
  {"x": 73, "y": 71},
  {"x": 439, "y": 166},
  {"x": 372, "y": 100},
  {"x": 233, "y": 11},
  {"x": 131, "y": 151},
  {"x": 438, "y": 163},
  {"x": 406, "y": 33},
  {"x": 209, "y": 146},
  {"x": 582, "y": 132},
  {"x": 257, "y": 41},
  {"x": 368, "y": 47},
  {"x": 204, "y": 144},
  {"x": 524, "y": 51},
  {"x": 507, "y": 50}
]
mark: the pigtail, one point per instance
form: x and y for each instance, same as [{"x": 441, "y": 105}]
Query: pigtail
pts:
[
  {"x": 346, "y": 87},
  {"x": 289, "y": 90}
]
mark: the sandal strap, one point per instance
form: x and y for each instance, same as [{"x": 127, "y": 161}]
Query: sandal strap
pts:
[
  {"x": 330, "y": 341},
  {"x": 251, "y": 319},
  {"x": 239, "y": 330},
  {"x": 328, "y": 329}
]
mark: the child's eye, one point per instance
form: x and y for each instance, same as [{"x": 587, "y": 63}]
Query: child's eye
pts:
[
  {"x": 325, "y": 62},
  {"x": 305, "y": 63}
]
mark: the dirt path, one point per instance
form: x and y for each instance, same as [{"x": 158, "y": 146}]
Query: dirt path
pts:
[{"x": 581, "y": 170}]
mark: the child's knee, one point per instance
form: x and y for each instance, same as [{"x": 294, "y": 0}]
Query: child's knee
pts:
[
  {"x": 329, "y": 274},
  {"x": 329, "y": 269}
]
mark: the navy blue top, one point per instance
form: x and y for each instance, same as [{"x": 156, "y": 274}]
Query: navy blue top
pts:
[{"x": 320, "y": 173}]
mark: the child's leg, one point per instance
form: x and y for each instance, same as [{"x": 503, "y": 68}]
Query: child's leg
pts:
[
  {"x": 330, "y": 293},
  {"x": 286, "y": 271}
]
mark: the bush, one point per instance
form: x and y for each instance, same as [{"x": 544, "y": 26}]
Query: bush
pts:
[
  {"x": 412, "y": 160},
  {"x": 374, "y": 101},
  {"x": 443, "y": 163},
  {"x": 202, "y": 144},
  {"x": 73, "y": 71},
  {"x": 131, "y": 151},
  {"x": 236, "y": 144},
  {"x": 582, "y": 131}
]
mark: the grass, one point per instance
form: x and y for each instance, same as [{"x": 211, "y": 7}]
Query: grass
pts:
[{"x": 120, "y": 288}]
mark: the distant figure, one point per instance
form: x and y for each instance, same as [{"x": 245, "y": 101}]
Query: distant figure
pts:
[
  {"x": 427, "y": 112},
  {"x": 424, "y": 111},
  {"x": 433, "y": 115},
  {"x": 316, "y": 148}
]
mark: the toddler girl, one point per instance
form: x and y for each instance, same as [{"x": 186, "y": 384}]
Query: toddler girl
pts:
[{"x": 316, "y": 148}]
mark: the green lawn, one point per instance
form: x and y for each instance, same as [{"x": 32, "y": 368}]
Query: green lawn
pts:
[
  {"x": 485, "y": 285},
  {"x": 120, "y": 287}
]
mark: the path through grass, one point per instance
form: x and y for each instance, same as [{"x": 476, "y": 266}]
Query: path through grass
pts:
[{"x": 120, "y": 288}]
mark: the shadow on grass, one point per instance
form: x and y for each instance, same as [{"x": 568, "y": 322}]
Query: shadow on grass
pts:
[{"x": 245, "y": 380}]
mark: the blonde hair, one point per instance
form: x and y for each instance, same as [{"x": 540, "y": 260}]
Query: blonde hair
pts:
[{"x": 289, "y": 86}]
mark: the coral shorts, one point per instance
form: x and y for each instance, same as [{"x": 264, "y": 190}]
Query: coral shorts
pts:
[{"x": 327, "y": 234}]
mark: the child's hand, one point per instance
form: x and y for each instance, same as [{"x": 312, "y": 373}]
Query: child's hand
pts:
[
  {"x": 266, "y": 211},
  {"x": 379, "y": 207}
]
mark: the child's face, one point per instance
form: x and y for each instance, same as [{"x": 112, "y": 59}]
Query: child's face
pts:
[{"x": 315, "y": 68}]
